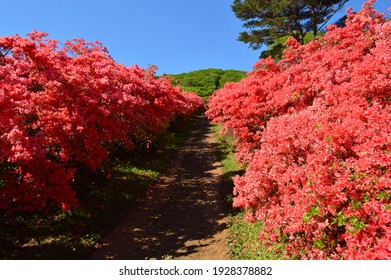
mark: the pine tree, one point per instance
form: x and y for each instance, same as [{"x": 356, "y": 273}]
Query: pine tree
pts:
[{"x": 268, "y": 21}]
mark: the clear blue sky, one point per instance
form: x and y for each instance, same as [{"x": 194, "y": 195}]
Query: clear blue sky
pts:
[{"x": 176, "y": 35}]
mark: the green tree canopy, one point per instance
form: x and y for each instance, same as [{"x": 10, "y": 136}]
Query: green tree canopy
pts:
[
  {"x": 205, "y": 82},
  {"x": 268, "y": 21}
]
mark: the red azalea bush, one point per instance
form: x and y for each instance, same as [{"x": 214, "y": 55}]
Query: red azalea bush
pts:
[
  {"x": 66, "y": 107},
  {"x": 315, "y": 131}
]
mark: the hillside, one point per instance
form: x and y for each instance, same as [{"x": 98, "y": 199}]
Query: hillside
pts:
[{"x": 205, "y": 82}]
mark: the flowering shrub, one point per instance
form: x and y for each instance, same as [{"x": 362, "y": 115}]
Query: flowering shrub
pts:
[
  {"x": 315, "y": 132},
  {"x": 66, "y": 107}
]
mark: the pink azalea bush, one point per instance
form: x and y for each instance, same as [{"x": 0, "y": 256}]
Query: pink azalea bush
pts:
[
  {"x": 315, "y": 132},
  {"x": 66, "y": 107}
]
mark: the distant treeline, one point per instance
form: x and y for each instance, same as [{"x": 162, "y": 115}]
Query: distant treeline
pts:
[{"x": 205, "y": 82}]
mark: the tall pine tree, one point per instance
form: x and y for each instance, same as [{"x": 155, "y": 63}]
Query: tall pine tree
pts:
[{"x": 268, "y": 21}]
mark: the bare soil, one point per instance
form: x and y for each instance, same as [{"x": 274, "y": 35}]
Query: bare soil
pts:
[{"x": 184, "y": 216}]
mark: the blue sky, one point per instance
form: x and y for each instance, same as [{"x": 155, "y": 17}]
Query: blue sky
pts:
[{"x": 176, "y": 35}]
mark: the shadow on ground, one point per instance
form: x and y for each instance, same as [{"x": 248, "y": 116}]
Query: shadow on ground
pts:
[{"x": 184, "y": 215}]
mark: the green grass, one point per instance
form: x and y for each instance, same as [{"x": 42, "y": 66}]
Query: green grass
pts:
[
  {"x": 243, "y": 241},
  {"x": 245, "y": 244},
  {"x": 230, "y": 166},
  {"x": 103, "y": 199}
]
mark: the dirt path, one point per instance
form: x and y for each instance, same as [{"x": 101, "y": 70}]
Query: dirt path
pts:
[{"x": 184, "y": 215}]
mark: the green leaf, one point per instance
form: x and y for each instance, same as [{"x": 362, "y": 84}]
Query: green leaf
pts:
[
  {"x": 319, "y": 243},
  {"x": 356, "y": 204},
  {"x": 384, "y": 195},
  {"x": 357, "y": 224},
  {"x": 340, "y": 220},
  {"x": 313, "y": 212}
]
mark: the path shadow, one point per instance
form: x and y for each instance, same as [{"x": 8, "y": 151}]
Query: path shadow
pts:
[{"x": 183, "y": 214}]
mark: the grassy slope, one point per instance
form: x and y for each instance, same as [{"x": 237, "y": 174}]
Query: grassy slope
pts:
[{"x": 205, "y": 82}]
